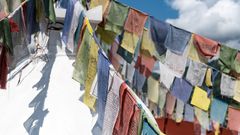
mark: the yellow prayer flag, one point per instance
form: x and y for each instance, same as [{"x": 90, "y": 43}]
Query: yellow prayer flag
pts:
[
  {"x": 88, "y": 99},
  {"x": 200, "y": 99},
  {"x": 147, "y": 46},
  {"x": 95, "y": 3},
  {"x": 193, "y": 53},
  {"x": 153, "y": 89},
  {"x": 216, "y": 126},
  {"x": 129, "y": 42},
  {"x": 237, "y": 91},
  {"x": 208, "y": 79},
  {"x": 89, "y": 27},
  {"x": 106, "y": 36}
]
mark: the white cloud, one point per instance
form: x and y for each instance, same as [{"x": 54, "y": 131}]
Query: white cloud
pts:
[
  {"x": 234, "y": 43},
  {"x": 216, "y": 19}
]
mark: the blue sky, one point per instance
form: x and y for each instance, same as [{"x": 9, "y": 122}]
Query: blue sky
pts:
[{"x": 157, "y": 8}]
